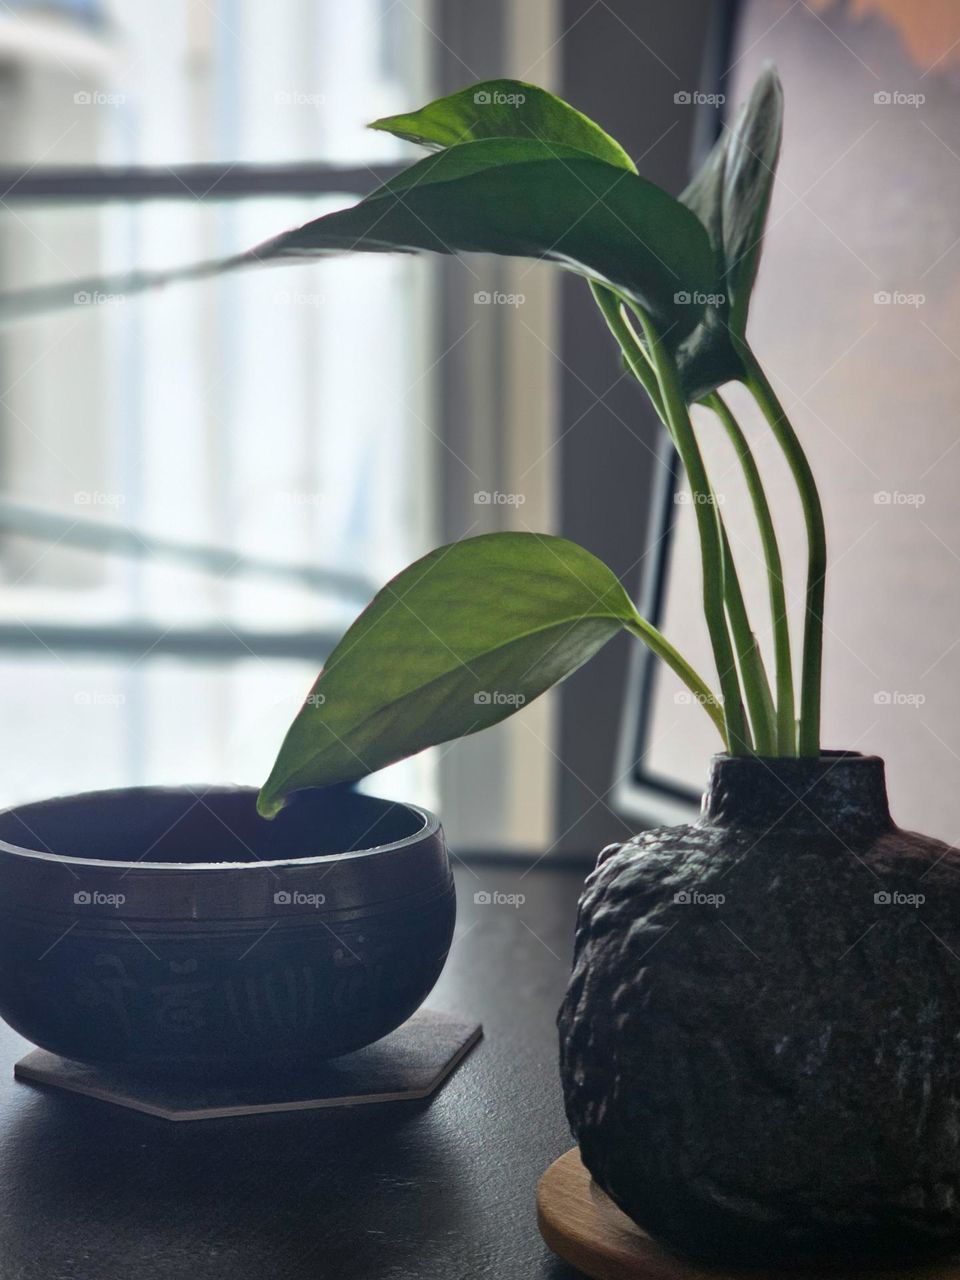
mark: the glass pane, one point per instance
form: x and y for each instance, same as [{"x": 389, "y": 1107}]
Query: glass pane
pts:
[
  {"x": 279, "y": 415},
  {"x": 194, "y": 81},
  {"x": 92, "y": 723}
]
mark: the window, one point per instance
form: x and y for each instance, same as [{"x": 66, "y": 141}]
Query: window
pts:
[{"x": 271, "y": 477}]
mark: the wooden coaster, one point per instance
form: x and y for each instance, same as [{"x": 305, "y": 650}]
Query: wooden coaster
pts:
[
  {"x": 582, "y": 1225},
  {"x": 410, "y": 1063}
]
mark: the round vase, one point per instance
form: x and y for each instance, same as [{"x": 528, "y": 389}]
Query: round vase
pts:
[{"x": 760, "y": 1043}]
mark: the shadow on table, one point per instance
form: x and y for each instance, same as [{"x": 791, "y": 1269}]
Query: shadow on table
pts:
[{"x": 90, "y": 1190}]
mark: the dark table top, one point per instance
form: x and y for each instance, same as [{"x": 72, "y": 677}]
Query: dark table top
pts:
[{"x": 421, "y": 1190}]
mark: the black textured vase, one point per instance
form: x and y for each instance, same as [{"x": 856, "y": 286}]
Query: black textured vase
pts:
[{"x": 760, "y": 1043}]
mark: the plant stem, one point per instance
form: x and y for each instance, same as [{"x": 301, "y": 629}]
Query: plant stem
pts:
[
  {"x": 701, "y": 691},
  {"x": 755, "y": 683},
  {"x": 786, "y": 711},
  {"x": 756, "y": 687},
  {"x": 812, "y": 662},
  {"x": 636, "y": 358},
  {"x": 708, "y": 527}
]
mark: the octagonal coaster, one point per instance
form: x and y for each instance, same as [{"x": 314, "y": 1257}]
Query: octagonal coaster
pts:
[
  {"x": 410, "y": 1063},
  {"x": 582, "y": 1225}
]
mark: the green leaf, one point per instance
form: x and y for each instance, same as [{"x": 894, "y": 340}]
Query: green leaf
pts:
[
  {"x": 753, "y": 149},
  {"x": 706, "y": 358},
  {"x": 456, "y": 642},
  {"x": 524, "y": 198},
  {"x": 511, "y": 196},
  {"x": 505, "y": 109},
  {"x": 550, "y": 184},
  {"x": 463, "y": 161},
  {"x": 731, "y": 196}
]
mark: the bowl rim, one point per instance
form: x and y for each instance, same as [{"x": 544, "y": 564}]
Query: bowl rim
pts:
[{"x": 429, "y": 829}]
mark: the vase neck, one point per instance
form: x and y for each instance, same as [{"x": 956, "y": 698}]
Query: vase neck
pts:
[{"x": 838, "y": 793}]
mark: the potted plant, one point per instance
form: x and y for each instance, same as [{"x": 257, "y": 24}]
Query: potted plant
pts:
[{"x": 761, "y": 1038}]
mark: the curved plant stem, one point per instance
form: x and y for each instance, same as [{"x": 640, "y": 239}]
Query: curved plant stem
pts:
[
  {"x": 635, "y": 356},
  {"x": 708, "y": 527},
  {"x": 701, "y": 691},
  {"x": 755, "y": 684},
  {"x": 786, "y": 711},
  {"x": 811, "y": 666}
]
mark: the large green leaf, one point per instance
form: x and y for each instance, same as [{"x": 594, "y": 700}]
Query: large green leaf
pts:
[
  {"x": 456, "y": 642},
  {"x": 752, "y": 154},
  {"x": 523, "y": 173},
  {"x": 512, "y": 196},
  {"x": 733, "y": 184},
  {"x": 603, "y": 222},
  {"x": 505, "y": 109},
  {"x": 730, "y": 195}
]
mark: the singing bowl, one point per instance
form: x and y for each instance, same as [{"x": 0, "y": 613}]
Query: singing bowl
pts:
[{"x": 173, "y": 931}]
